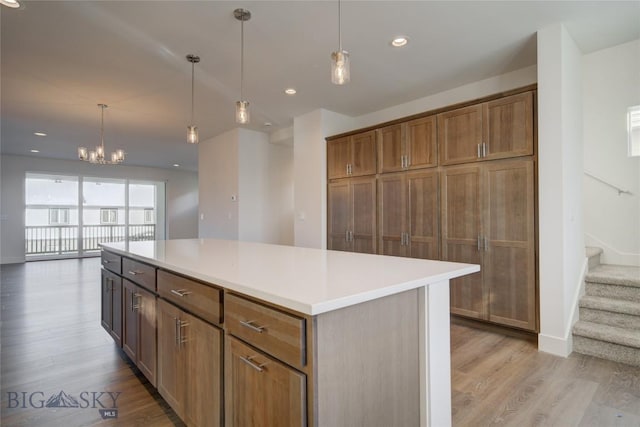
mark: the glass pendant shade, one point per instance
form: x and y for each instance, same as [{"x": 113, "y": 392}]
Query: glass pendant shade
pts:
[
  {"x": 82, "y": 153},
  {"x": 100, "y": 152},
  {"x": 120, "y": 155},
  {"x": 242, "y": 112},
  {"x": 192, "y": 134},
  {"x": 93, "y": 157},
  {"x": 340, "y": 73}
]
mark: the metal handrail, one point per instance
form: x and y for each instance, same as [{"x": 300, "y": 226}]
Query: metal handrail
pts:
[{"x": 615, "y": 187}]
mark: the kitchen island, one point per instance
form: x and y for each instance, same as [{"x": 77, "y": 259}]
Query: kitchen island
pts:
[{"x": 258, "y": 334}]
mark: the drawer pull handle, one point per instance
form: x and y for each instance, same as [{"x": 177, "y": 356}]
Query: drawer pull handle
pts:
[
  {"x": 180, "y": 292},
  {"x": 248, "y": 361},
  {"x": 135, "y": 273},
  {"x": 105, "y": 261},
  {"x": 249, "y": 324}
]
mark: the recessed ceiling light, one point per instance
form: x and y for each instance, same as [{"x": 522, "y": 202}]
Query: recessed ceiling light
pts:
[
  {"x": 399, "y": 41},
  {"x": 290, "y": 91},
  {"x": 267, "y": 124},
  {"x": 40, "y": 134},
  {"x": 175, "y": 165},
  {"x": 10, "y": 3},
  {"x": 35, "y": 151}
]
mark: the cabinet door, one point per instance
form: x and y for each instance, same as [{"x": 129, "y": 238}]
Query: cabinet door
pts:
[
  {"x": 203, "y": 368},
  {"x": 461, "y": 231},
  {"x": 363, "y": 214},
  {"x": 338, "y": 157},
  {"x": 509, "y": 259},
  {"x": 106, "y": 305},
  {"x": 260, "y": 391},
  {"x": 460, "y": 134},
  {"x": 390, "y": 148},
  {"x": 147, "y": 341},
  {"x": 130, "y": 319},
  {"x": 393, "y": 214},
  {"x": 171, "y": 357},
  {"x": 422, "y": 209},
  {"x": 116, "y": 310},
  {"x": 508, "y": 126},
  {"x": 363, "y": 154},
  {"x": 422, "y": 143},
  {"x": 339, "y": 213}
]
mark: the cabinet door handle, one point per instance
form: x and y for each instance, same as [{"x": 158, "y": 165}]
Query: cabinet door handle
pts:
[
  {"x": 180, "y": 292},
  {"x": 350, "y": 169},
  {"x": 486, "y": 243},
  {"x": 484, "y": 149},
  {"x": 351, "y": 235},
  {"x": 402, "y": 239},
  {"x": 347, "y": 167},
  {"x": 479, "y": 151},
  {"x": 134, "y": 305},
  {"x": 248, "y": 361},
  {"x": 479, "y": 244},
  {"x": 177, "y": 331},
  {"x": 135, "y": 273},
  {"x": 406, "y": 239},
  {"x": 105, "y": 261},
  {"x": 249, "y": 324}
]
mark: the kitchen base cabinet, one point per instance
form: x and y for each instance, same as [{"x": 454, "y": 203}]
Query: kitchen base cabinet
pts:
[
  {"x": 189, "y": 366},
  {"x": 111, "y": 305},
  {"x": 139, "y": 328},
  {"x": 260, "y": 391}
]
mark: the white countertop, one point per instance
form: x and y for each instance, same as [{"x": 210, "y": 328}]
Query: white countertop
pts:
[{"x": 310, "y": 281}]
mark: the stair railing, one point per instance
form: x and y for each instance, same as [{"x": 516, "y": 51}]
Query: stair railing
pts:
[{"x": 615, "y": 187}]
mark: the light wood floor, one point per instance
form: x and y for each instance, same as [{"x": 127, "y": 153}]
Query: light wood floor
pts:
[{"x": 51, "y": 340}]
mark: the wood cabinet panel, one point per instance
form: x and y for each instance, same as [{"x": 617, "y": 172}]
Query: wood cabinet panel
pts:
[
  {"x": 363, "y": 154},
  {"x": 459, "y": 135},
  {"x": 198, "y": 298},
  {"x": 277, "y": 333},
  {"x": 393, "y": 214},
  {"x": 260, "y": 391},
  {"x": 147, "y": 343},
  {"x": 139, "y": 273},
  {"x": 203, "y": 370},
  {"x": 171, "y": 357},
  {"x": 111, "y": 262},
  {"x": 111, "y": 305},
  {"x": 338, "y": 157},
  {"x": 391, "y": 148},
  {"x": 424, "y": 237},
  {"x": 422, "y": 143},
  {"x": 509, "y": 262},
  {"x": 130, "y": 319},
  {"x": 352, "y": 215},
  {"x": 339, "y": 215},
  {"x": 508, "y": 126}
]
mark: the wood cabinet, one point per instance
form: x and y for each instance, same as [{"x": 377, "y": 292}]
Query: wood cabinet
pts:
[
  {"x": 491, "y": 130},
  {"x": 408, "y": 211},
  {"x": 409, "y": 145},
  {"x": 352, "y": 215},
  {"x": 488, "y": 219},
  {"x": 139, "y": 328},
  {"x": 111, "y": 305},
  {"x": 189, "y": 365},
  {"x": 260, "y": 390},
  {"x": 353, "y": 155}
]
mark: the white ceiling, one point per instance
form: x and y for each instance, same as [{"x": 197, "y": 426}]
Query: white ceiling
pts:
[{"x": 61, "y": 58}]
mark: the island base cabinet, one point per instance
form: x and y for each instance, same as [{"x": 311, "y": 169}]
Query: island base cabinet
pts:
[
  {"x": 111, "y": 301},
  {"x": 189, "y": 366},
  {"x": 139, "y": 328},
  {"x": 261, "y": 392}
]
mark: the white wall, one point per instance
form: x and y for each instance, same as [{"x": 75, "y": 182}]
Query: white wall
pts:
[
  {"x": 244, "y": 165},
  {"x": 610, "y": 84},
  {"x": 181, "y": 196},
  {"x": 561, "y": 243}
]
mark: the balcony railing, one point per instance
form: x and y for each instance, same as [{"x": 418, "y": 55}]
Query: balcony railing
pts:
[{"x": 63, "y": 239}]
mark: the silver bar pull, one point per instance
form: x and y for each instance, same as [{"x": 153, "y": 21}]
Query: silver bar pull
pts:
[
  {"x": 347, "y": 166},
  {"x": 182, "y": 325},
  {"x": 484, "y": 149},
  {"x": 406, "y": 239},
  {"x": 177, "y": 331},
  {"x": 180, "y": 292},
  {"x": 479, "y": 238},
  {"x": 248, "y": 361},
  {"x": 249, "y": 324},
  {"x": 406, "y": 161},
  {"x": 479, "y": 153},
  {"x": 135, "y": 273},
  {"x": 135, "y": 306},
  {"x": 351, "y": 235},
  {"x": 486, "y": 243},
  {"x": 105, "y": 261}
]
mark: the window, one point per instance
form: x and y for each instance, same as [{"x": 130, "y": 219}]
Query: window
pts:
[
  {"x": 633, "y": 130},
  {"x": 108, "y": 216},
  {"x": 58, "y": 216},
  {"x": 148, "y": 216}
]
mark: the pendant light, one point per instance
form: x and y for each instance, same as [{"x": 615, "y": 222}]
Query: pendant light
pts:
[
  {"x": 242, "y": 106},
  {"x": 340, "y": 73},
  {"x": 192, "y": 130},
  {"x": 97, "y": 156}
]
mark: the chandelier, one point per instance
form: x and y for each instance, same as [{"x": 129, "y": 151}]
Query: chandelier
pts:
[{"x": 97, "y": 156}]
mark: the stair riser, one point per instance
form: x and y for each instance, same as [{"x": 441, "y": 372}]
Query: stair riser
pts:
[
  {"x": 606, "y": 350},
  {"x": 594, "y": 261},
  {"x": 620, "y": 320},
  {"x": 628, "y": 293}
]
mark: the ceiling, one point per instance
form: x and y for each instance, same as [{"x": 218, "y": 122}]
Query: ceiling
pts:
[{"x": 62, "y": 58}]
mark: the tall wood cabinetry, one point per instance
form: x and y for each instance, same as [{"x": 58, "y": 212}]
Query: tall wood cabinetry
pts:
[
  {"x": 458, "y": 186},
  {"x": 352, "y": 156}
]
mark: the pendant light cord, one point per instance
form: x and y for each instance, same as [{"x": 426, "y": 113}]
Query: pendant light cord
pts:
[
  {"x": 192, "y": 79},
  {"x": 102, "y": 128},
  {"x": 339, "y": 27},
  {"x": 241, "y": 59}
]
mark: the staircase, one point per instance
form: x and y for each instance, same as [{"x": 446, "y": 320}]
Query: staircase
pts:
[{"x": 609, "y": 325}]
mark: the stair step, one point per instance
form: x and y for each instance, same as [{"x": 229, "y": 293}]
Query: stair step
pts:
[
  {"x": 607, "y": 333},
  {"x": 613, "y": 312},
  {"x": 610, "y": 305},
  {"x": 622, "y": 275}
]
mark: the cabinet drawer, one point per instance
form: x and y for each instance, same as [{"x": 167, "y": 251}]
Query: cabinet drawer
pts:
[
  {"x": 200, "y": 299},
  {"x": 112, "y": 262},
  {"x": 280, "y": 334},
  {"x": 140, "y": 273}
]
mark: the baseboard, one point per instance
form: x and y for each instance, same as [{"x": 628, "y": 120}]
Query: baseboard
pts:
[
  {"x": 491, "y": 327},
  {"x": 12, "y": 260},
  {"x": 555, "y": 345},
  {"x": 611, "y": 255}
]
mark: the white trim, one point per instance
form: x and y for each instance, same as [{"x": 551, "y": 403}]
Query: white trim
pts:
[
  {"x": 12, "y": 260},
  {"x": 611, "y": 255}
]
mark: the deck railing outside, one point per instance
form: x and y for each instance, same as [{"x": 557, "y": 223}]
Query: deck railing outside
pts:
[{"x": 63, "y": 239}]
